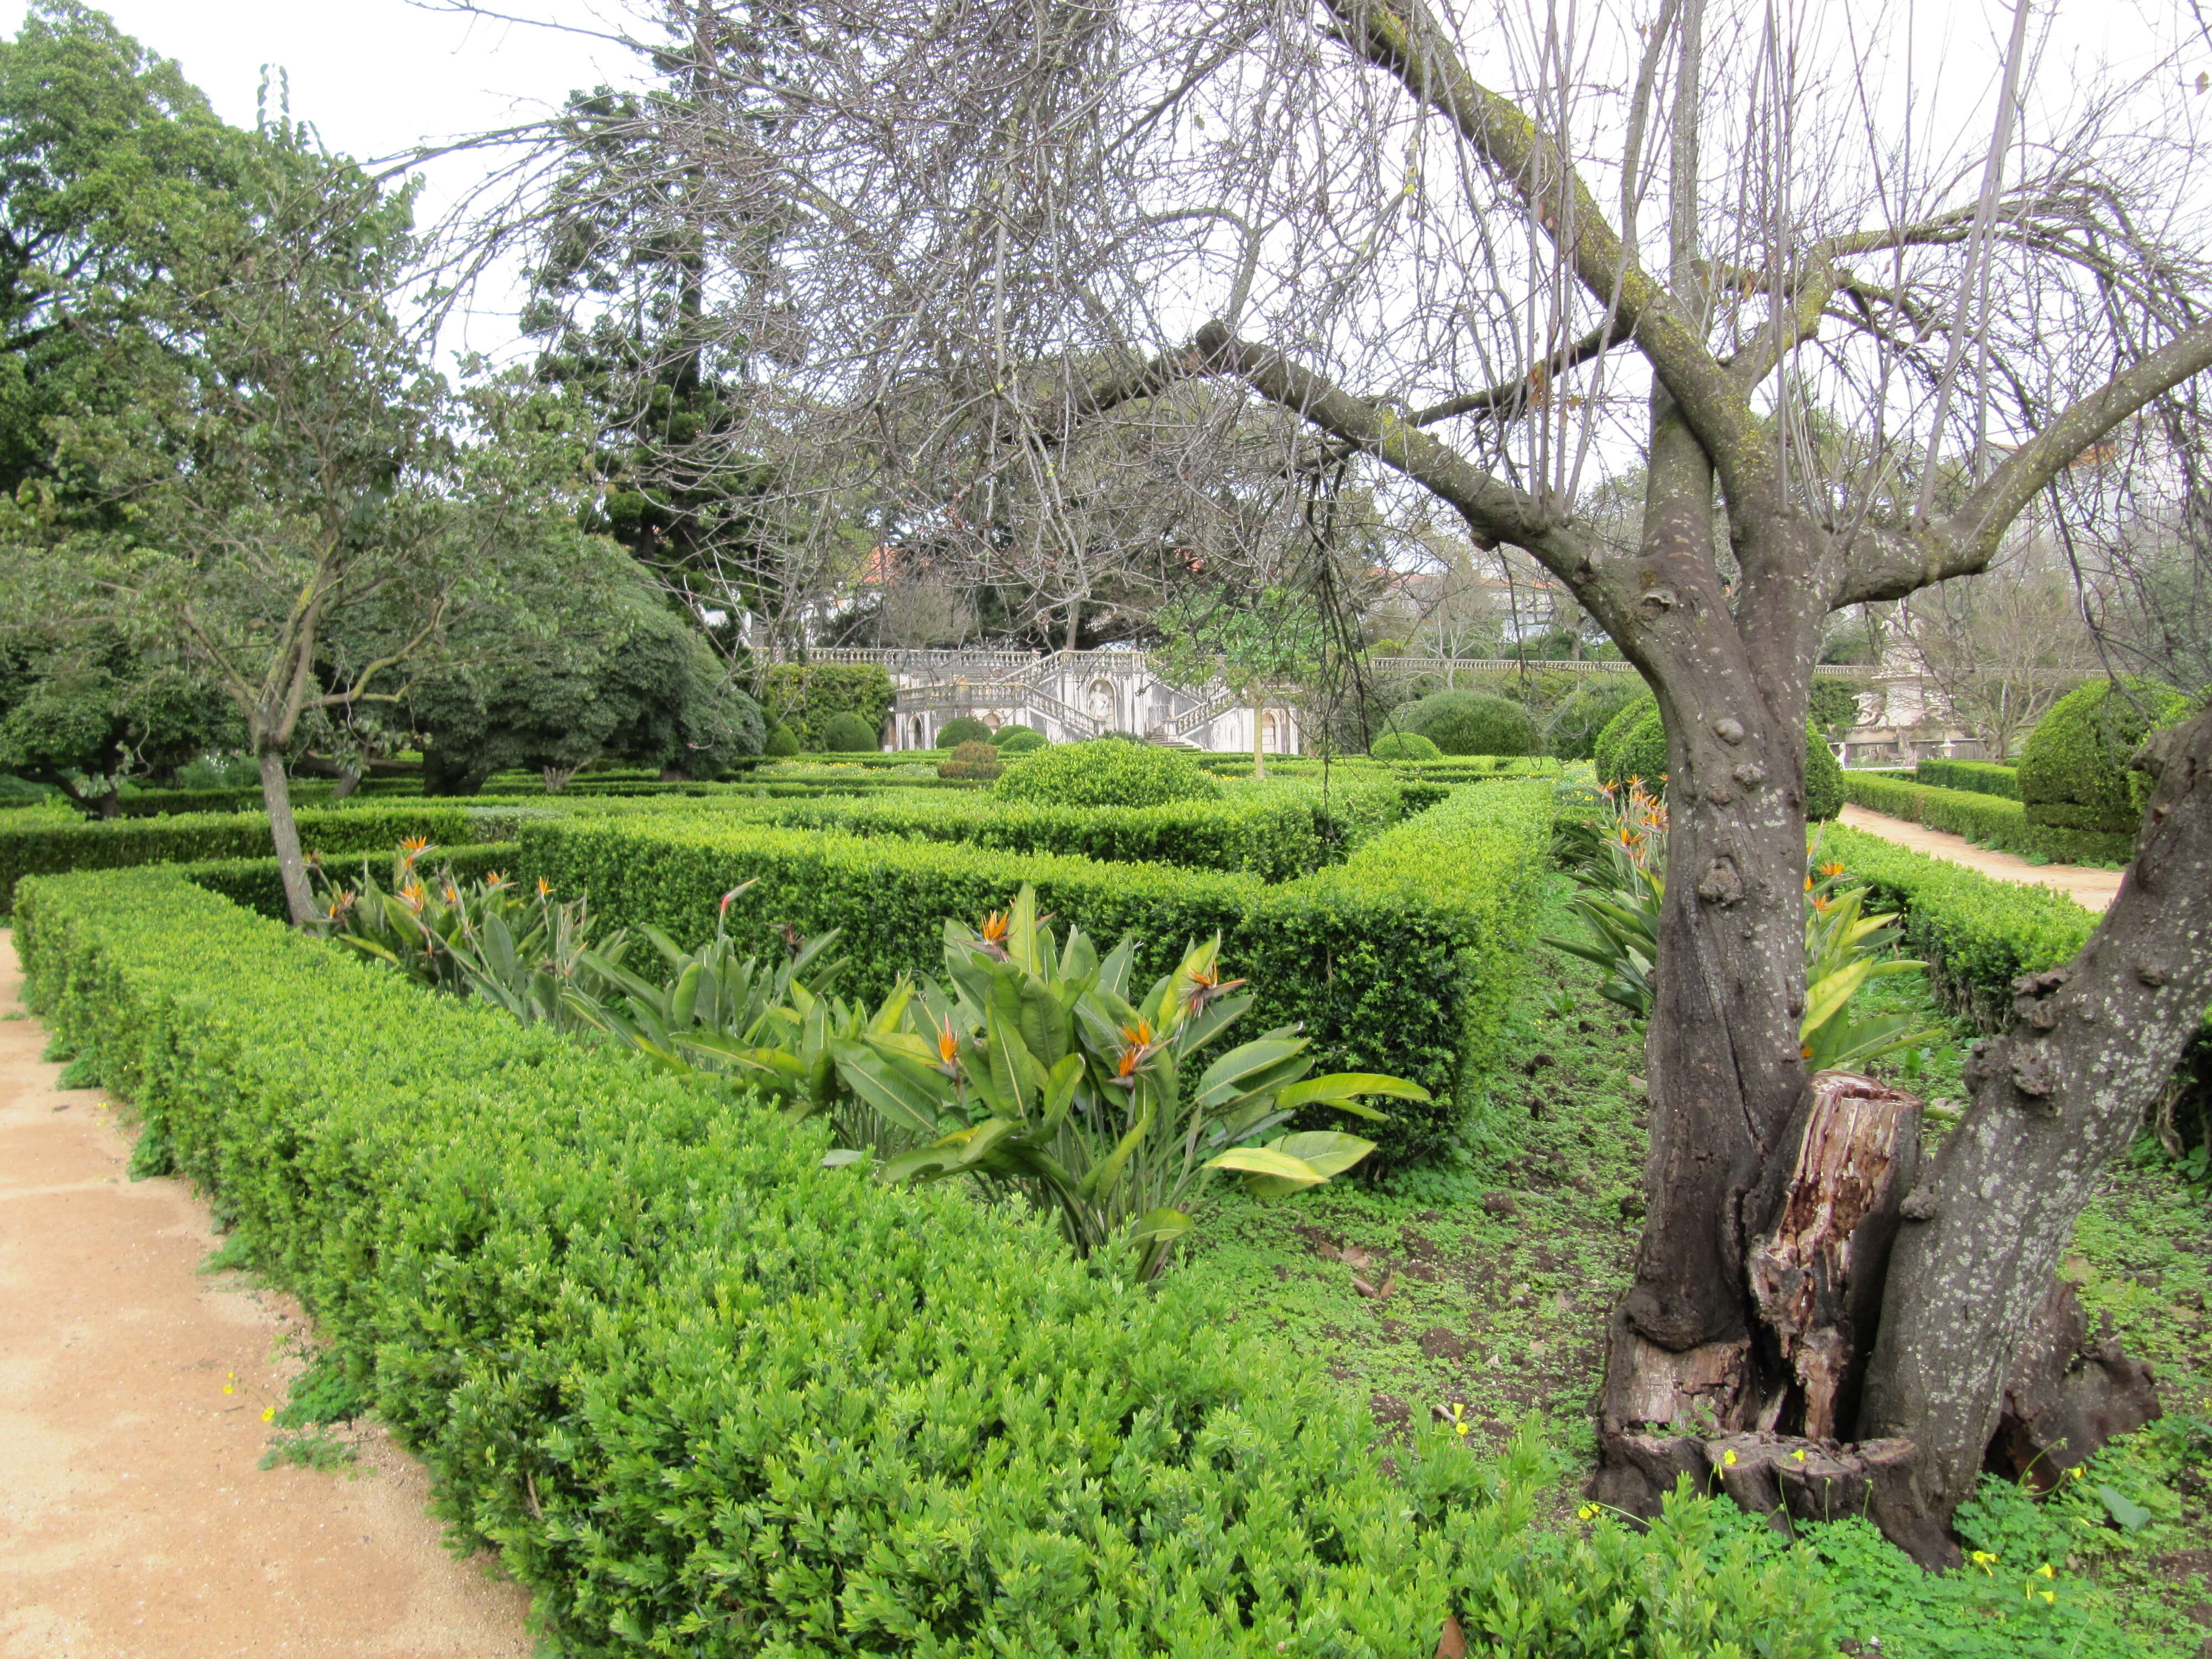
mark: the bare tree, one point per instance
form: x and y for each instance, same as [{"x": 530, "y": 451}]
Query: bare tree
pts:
[{"x": 1493, "y": 259}]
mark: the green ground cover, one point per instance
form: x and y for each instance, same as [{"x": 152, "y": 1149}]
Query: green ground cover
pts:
[{"x": 1474, "y": 1288}]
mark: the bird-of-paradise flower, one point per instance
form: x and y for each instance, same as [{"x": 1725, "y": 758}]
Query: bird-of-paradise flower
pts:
[
  {"x": 494, "y": 880},
  {"x": 1141, "y": 1041},
  {"x": 1205, "y": 985},
  {"x": 1831, "y": 869},
  {"x": 412, "y": 895},
  {"x": 545, "y": 888},
  {"x": 948, "y": 1049},
  {"x": 996, "y": 926}
]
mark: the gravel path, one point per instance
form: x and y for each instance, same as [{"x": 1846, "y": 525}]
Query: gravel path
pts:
[
  {"x": 2094, "y": 889},
  {"x": 134, "y": 1522}
]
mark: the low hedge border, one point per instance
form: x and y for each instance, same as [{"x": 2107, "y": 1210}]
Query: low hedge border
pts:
[
  {"x": 1988, "y": 819},
  {"x": 1974, "y": 777},
  {"x": 117, "y": 843},
  {"x": 258, "y": 885},
  {"x": 1278, "y": 833},
  {"x": 1977, "y": 934},
  {"x": 1401, "y": 959},
  {"x": 705, "y": 1396}
]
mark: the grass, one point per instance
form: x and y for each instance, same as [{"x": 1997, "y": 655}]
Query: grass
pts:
[{"x": 1477, "y": 1287}]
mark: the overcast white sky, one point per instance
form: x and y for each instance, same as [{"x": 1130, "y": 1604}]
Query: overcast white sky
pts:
[{"x": 377, "y": 76}]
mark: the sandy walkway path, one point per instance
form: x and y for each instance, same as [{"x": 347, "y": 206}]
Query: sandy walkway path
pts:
[
  {"x": 2094, "y": 889},
  {"x": 133, "y": 1521}
]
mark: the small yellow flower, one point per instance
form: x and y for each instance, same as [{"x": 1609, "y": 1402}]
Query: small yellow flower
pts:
[
  {"x": 2045, "y": 1571},
  {"x": 2073, "y": 1473},
  {"x": 1459, "y": 1425},
  {"x": 1799, "y": 1454},
  {"x": 2051, "y": 1596},
  {"x": 230, "y": 1382},
  {"x": 268, "y": 1413},
  {"x": 1728, "y": 1457},
  {"x": 1588, "y": 1512}
]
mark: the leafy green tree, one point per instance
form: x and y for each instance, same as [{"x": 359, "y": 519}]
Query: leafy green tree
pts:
[
  {"x": 1270, "y": 646},
  {"x": 85, "y": 714},
  {"x": 114, "y": 174},
  {"x": 647, "y": 690},
  {"x": 263, "y": 472}
]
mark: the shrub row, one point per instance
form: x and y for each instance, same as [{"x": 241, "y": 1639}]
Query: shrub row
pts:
[
  {"x": 1977, "y": 933},
  {"x": 1277, "y": 832},
  {"x": 258, "y": 883},
  {"x": 1988, "y": 820},
  {"x": 49, "y": 849},
  {"x": 1400, "y": 959},
  {"x": 1974, "y": 777},
  {"x": 706, "y": 1396}
]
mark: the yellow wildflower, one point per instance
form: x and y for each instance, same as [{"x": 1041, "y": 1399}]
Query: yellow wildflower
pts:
[
  {"x": 1728, "y": 1457},
  {"x": 2045, "y": 1571}
]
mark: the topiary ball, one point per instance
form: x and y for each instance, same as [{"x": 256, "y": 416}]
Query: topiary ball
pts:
[
  {"x": 1106, "y": 772},
  {"x": 1470, "y": 723},
  {"x": 779, "y": 743},
  {"x": 1611, "y": 737},
  {"x": 2074, "y": 773},
  {"x": 1585, "y": 712},
  {"x": 1634, "y": 746},
  {"x": 978, "y": 761},
  {"x": 848, "y": 734},
  {"x": 1018, "y": 740},
  {"x": 962, "y": 728},
  {"x": 1404, "y": 746},
  {"x": 1824, "y": 779}
]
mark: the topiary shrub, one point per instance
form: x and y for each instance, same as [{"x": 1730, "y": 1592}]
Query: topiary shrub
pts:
[
  {"x": 848, "y": 734},
  {"x": 2074, "y": 773},
  {"x": 1109, "y": 772},
  {"x": 1634, "y": 746},
  {"x": 781, "y": 743},
  {"x": 962, "y": 728},
  {"x": 979, "y": 761},
  {"x": 1010, "y": 731},
  {"x": 1404, "y": 746},
  {"x": 1586, "y": 711},
  {"x": 1470, "y": 723},
  {"x": 1832, "y": 707},
  {"x": 1824, "y": 779},
  {"x": 1019, "y": 740}
]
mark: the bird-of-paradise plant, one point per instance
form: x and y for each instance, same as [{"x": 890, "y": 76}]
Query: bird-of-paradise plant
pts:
[
  {"x": 1620, "y": 863},
  {"x": 1036, "y": 1066}
]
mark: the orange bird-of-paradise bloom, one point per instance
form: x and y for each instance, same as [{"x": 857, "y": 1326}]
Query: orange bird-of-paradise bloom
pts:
[
  {"x": 545, "y": 888},
  {"x": 412, "y": 893},
  {"x": 1831, "y": 869},
  {"x": 1141, "y": 1040},
  {"x": 997, "y": 924},
  {"x": 1205, "y": 985},
  {"x": 948, "y": 1049}
]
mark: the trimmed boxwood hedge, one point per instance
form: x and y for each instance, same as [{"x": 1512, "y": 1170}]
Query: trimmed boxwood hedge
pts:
[
  {"x": 1975, "y": 777},
  {"x": 1401, "y": 959},
  {"x": 1104, "y": 772},
  {"x": 2074, "y": 770},
  {"x": 115, "y": 843},
  {"x": 258, "y": 883},
  {"x": 706, "y": 1397},
  {"x": 1988, "y": 819},
  {"x": 1277, "y": 831}
]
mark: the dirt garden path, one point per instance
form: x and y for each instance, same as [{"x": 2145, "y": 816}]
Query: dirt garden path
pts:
[
  {"x": 2094, "y": 889},
  {"x": 134, "y": 1522}
]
